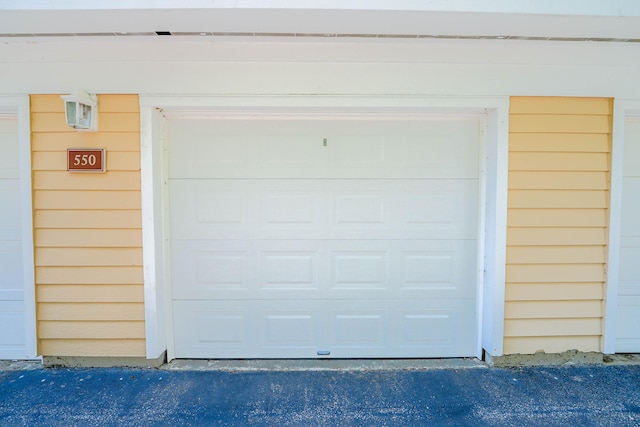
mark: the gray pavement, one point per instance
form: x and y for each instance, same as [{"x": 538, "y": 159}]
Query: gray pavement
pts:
[{"x": 456, "y": 393}]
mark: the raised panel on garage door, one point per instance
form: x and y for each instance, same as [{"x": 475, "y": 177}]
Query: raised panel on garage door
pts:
[
  {"x": 339, "y": 238},
  {"x": 628, "y": 313},
  {"x": 12, "y": 320}
]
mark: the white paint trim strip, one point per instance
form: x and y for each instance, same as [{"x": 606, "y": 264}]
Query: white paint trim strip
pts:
[
  {"x": 17, "y": 107},
  {"x": 157, "y": 308}
]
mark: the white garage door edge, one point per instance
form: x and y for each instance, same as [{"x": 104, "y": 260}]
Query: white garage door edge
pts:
[
  {"x": 493, "y": 194},
  {"x": 18, "y": 106},
  {"x": 622, "y": 111}
]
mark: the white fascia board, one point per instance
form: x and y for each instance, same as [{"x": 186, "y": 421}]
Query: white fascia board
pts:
[
  {"x": 323, "y": 22},
  {"x": 540, "y": 7},
  {"x": 543, "y": 18}
]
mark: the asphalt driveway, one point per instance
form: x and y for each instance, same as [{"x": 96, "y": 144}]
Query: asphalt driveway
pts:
[{"x": 481, "y": 396}]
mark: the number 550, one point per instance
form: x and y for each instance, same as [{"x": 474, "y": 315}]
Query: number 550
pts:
[{"x": 84, "y": 160}]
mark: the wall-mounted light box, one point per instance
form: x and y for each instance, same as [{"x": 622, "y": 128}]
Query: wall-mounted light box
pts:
[{"x": 81, "y": 110}]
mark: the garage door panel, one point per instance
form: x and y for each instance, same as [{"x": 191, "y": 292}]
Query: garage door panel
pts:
[
  {"x": 12, "y": 325},
  {"x": 316, "y": 209},
  {"x": 11, "y": 268},
  {"x": 631, "y": 149},
  {"x": 307, "y": 329},
  {"x": 246, "y": 329},
  {"x": 631, "y": 210},
  {"x": 432, "y": 148},
  {"x": 9, "y": 147},
  {"x": 10, "y": 222},
  {"x": 628, "y": 310},
  {"x": 310, "y": 269},
  {"x": 324, "y": 237}
]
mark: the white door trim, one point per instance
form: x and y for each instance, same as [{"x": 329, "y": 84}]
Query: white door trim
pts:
[
  {"x": 622, "y": 109},
  {"x": 491, "y": 288},
  {"x": 19, "y": 106}
]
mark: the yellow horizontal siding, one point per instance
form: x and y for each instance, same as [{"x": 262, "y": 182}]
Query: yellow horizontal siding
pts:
[
  {"x": 98, "y": 219},
  {"x": 106, "y": 104},
  {"x": 563, "y": 105},
  {"x": 91, "y": 330},
  {"x": 530, "y": 180},
  {"x": 556, "y": 255},
  {"x": 557, "y": 217},
  {"x": 93, "y": 347},
  {"x": 552, "y": 309},
  {"x": 555, "y": 273},
  {"x": 84, "y": 257},
  {"x": 90, "y": 311},
  {"x": 70, "y": 181},
  {"x": 564, "y": 199},
  {"x": 59, "y": 142},
  {"x": 87, "y": 233},
  {"x": 107, "y": 122},
  {"x": 534, "y": 123},
  {"x": 532, "y": 236},
  {"x": 528, "y": 161},
  {"x": 550, "y": 344},
  {"x": 89, "y": 238},
  {"x": 554, "y": 292},
  {"x": 86, "y": 199},
  {"x": 88, "y": 275},
  {"x": 559, "y": 142},
  {"x": 552, "y": 327},
  {"x": 57, "y": 161},
  {"x": 90, "y": 293},
  {"x": 559, "y": 162}
]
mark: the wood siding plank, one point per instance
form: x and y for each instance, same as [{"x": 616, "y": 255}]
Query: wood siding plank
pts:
[
  {"x": 560, "y": 105},
  {"x": 100, "y": 219},
  {"x": 555, "y": 273},
  {"x": 552, "y": 327},
  {"x": 557, "y": 218},
  {"x": 91, "y": 311},
  {"x": 558, "y": 199},
  {"x": 559, "y": 142},
  {"x": 90, "y": 293},
  {"x": 86, "y": 200},
  {"x": 554, "y": 291},
  {"x": 89, "y": 238},
  {"x": 91, "y": 330},
  {"x": 547, "y": 123},
  {"x": 528, "y": 161},
  {"x": 551, "y": 344},
  {"x": 556, "y": 255},
  {"x": 539, "y": 236},
  {"x": 529, "y": 180},
  {"x": 106, "y": 104},
  {"x": 553, "y": 309},
  {"x": 59, "y": 142},
  {"x": 88, "y": 275},
  {"x": 88, "y": 257},
  {"x": 93, "y": 347},
  {"x": 76, "y": 181},
  {"x": 107, "y": 122}
]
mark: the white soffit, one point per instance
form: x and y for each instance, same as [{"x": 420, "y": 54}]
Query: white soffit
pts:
[{"x": 617, "y": 21}]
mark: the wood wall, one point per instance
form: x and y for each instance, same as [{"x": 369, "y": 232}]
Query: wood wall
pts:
[
  {"x": 559, "y": 162},
  {"x": 88, "y": 238}
]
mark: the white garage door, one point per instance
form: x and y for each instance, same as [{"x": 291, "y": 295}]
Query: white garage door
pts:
[
  {"x": 628, "y": 320},
  {"x": 12, "y": 320},
  {"x": 299, "y": 238}
]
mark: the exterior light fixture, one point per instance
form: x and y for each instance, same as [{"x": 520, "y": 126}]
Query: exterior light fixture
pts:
[{"x": 81, "y": 110}]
